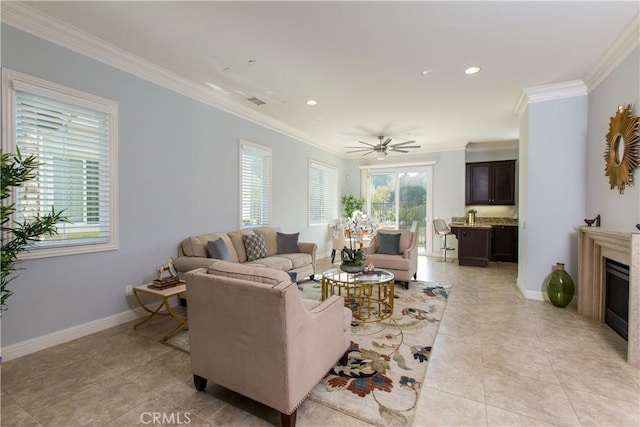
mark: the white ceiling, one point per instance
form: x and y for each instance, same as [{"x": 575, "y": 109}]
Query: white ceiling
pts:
[{"x": 363, "y": 61}]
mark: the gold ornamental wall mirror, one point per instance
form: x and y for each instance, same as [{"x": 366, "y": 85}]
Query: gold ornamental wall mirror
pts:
[{"x": 621, "y": 154}]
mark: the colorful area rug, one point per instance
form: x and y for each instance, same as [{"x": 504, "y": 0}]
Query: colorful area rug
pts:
[{"x": 387, "y": 361}]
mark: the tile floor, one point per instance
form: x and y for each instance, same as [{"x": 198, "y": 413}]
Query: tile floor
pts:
[{"x": 498, "y": 360}]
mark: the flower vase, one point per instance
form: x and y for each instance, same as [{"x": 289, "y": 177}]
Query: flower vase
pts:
[{"x": 559, "y": 286}]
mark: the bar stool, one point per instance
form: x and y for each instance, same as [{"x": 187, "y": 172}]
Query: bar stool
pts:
[{"x": 441, "y": 229}]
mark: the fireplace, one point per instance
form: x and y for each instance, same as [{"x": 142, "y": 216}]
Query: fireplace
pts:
[
  {"x": 595, "y": 246},
  {"x": 616, "y": 312}
]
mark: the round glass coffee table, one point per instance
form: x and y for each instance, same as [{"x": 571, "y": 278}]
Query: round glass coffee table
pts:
[{"x": 369, "y": 294}]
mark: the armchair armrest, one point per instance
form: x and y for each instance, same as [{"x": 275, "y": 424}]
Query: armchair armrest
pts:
[{"x": 318, "y": 341}]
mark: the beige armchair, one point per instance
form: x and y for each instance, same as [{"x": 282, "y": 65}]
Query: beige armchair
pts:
[
  {"x": 402, "y": 261},
  {"x": 250, "y": 332}
]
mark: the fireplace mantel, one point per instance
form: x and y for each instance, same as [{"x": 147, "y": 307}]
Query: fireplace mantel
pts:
[{"x": 594, "y": 245}]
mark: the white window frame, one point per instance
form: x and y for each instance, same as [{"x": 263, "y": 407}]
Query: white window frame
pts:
[
  {"x": 13, "y": 81},
  {"x": 265, "y": 209},
  {"x": 331, "y": 174}
]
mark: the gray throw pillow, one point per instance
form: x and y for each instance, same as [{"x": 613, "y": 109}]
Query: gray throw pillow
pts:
[
  {"x": 389, "y": 243},
  {"x": 288, "y": 243},
  {"x": 255, "y": 246},
  {"x": 218, "y": 250}
]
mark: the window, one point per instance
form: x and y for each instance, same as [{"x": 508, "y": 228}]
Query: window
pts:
[
  {"x": 323, "y": 193},
  {"x": 73, "y": 136},
  {"x": 255, "y": 185}
]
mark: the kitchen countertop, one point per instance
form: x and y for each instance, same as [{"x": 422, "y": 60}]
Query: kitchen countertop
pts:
[
  {"x": 462, "y": 224},
  {"x": 484, "y": 221}
]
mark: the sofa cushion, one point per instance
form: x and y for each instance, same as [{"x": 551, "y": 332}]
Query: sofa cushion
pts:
[
  {"x": 270, "y": 240},
  {"x": 218, "y": 249},
  {"x": 238, "y": 243},
  {"x": 297, "y": 260},
  {"x": 255, "y": 247},
  {"x": 288, "y": 243},
  {"x": 389, "y": 262},
  {"x": 275, "y": 262},
  {"x": 267, "y": 276},
  {"x": 192, "y": 246},
  {"x": 389, "y": 244}
]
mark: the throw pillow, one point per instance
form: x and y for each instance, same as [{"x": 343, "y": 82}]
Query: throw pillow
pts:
[
  {"x": 288, "y": 243},
  {"x": 389, "y": 243},
  {"x": 255, "y": 246},
  {"x": 218, "y": 250}
]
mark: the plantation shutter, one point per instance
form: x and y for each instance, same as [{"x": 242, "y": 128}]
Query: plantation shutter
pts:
[
  {"x": 255, "y": 185},
  {"x": 72, "y": 143},
  {"x": 323, "y": 193}
]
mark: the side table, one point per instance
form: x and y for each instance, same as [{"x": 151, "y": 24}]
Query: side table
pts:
[{"x": 164, "y": 295}]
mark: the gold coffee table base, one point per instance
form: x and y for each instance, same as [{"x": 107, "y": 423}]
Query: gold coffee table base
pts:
[
  {"x": 368, "y": 295},
  {"x": 164, "y": 294}
]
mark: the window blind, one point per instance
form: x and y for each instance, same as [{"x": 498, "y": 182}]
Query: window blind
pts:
[
  {"x": 255, "y": 185},
  {"x": 323, "y": 193},
  {"x": 72, "y": 143}
]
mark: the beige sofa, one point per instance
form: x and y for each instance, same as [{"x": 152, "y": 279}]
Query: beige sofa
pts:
[
  {"x": 251, "y": 332},
  {"x": 404, "y": 263},
  {"x": 192, "y": 253}
]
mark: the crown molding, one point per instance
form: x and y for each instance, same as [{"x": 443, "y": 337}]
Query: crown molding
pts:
[
  {"x": 492, "y": 146},
  {"x": 549, "y": 93},
  {"x": 628, "y": 39},
  {"x": 616, "y": 53},
  {"x": 25, "y": 18}
]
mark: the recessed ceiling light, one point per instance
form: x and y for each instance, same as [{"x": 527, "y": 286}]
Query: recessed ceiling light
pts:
[
  {"x": 472, "y": 70},
  {"x": 426, "y": 72},
  {"x": 312, "y": 102}
]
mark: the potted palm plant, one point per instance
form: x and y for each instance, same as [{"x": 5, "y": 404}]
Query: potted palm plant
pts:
[{"x": 18, "y": 236}]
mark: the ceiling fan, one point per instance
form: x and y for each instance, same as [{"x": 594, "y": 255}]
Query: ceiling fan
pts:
[{"x": 382, "y": 148}]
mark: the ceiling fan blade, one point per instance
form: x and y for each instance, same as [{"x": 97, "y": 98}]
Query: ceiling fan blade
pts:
[
  {"x": 399, "y": 151},
  {"x": 386, "y": 142},
  {"x": 405, "y": 147},
  {"x": 366, "y": 143},
  {"x": 402, "y": 143},
  {"x": 361, "y": 148}
]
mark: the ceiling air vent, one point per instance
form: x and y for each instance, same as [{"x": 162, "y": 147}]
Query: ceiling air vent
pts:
[{"x": 256, "y": 101}]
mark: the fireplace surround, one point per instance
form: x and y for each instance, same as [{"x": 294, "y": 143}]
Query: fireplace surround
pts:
[{"x": 595, "y": 244}]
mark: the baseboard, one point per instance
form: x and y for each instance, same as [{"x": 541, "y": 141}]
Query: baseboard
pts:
[
  {"x": 533, "y": 295},
  {"x": 23, "y": 348}
]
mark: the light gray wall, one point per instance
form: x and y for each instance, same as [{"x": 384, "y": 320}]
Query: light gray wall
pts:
[
  {"x": 554, "y": 199},
  {"x": 178, "y": 176},
  {"x": 620, "y": 87}
]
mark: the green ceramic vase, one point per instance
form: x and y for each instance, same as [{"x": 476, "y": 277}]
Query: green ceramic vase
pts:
[{"x": 559, "y": 286}]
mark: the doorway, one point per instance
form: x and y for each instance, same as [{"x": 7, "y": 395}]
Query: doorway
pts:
[{"x": 401, "y": 198}]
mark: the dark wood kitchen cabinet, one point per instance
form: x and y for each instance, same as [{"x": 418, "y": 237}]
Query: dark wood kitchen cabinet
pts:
[
  {"x": 474, "y": 245},
  {"x": 504, "y": 243},
  {"x": 491, "y": 183}
]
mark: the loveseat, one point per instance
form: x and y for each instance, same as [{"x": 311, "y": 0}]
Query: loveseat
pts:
[
  {"x": 281, "y": 251},
  {"x": 251, "y": 332}
]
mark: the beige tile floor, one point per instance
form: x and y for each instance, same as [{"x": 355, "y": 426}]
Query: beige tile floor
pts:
[{"x": 498, "y": 360}]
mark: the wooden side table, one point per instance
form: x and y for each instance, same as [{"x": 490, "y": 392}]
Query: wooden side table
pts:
[{"x": 164, "y": 295}]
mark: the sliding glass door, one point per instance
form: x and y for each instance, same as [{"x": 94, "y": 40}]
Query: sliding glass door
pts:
[{"x": 400, "y": 199}]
